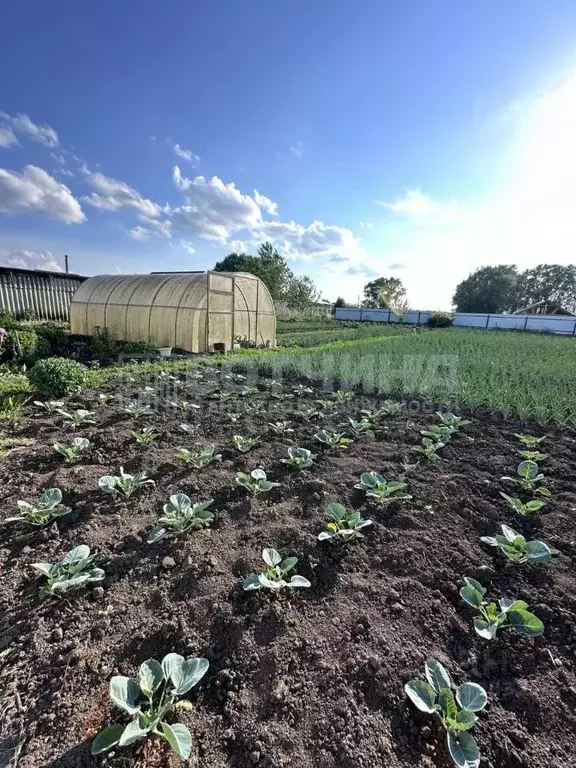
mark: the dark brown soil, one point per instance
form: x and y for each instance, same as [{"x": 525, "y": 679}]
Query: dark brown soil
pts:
[{"x": 313, "y": 678}]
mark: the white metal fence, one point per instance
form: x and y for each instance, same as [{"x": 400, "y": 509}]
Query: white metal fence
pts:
[{"x": 549, "y": 323}]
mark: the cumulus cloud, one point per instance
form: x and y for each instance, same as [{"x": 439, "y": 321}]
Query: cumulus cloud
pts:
[
  {"x": 25, "y": 259},
  {"x": 415, "y": 204},
  {"x": 114, "y": 195},
  {"x": 298, "y": 150},
  {"x": 186, "y": 154},
  {"x": 7, "y": 137},
  {"x": 299, "y": 241},
  {"x": 35, "y": 191},
  {"x": 265, "y": 203},
  {"x": 188, "y": 246},
  {"x": 139, "y": 233},
  {"x": 22, "y": 125}
]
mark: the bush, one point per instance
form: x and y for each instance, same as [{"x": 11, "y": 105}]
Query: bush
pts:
[
  {"x": 24, "y": 343},
  {"x": 138, "y": 347},
  {"x": 53, "y": 333},
  {"x": 104, "y": 346},
  {"x": 7, "y": 319},
  {"x": 58, "y": 376},
  {"x": 440, "y": 320}
]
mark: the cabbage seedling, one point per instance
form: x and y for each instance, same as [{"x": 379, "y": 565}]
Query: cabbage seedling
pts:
[
  {"x": 245, "y": 444},
  {"x": 199, "y": 458},
  {"x": 299, "y": 458},
  {"x": 439, "y": 433},
  {"x": 362, "y": 428},
  {"x": 280, "y": 427},
  {"x": 233, "y": 417},
  {"x": 451, "y": 420},
  {"x": 181, "y": 515},
  {"x": 48, "y": 508},
  {"x": 530, "y": 441},
  {"x": 149, "y": 699},
  {"x": 137, "y": 410},
  {"x": 256, "y": 482},
  {"x": 308, "y": 413},
  {"x": 533, "y": 455},
  {"x": 383, "y": 491},
  {"x": 345, "y": 524},
  {"x": 69, "y": 573},
  {"x": 79, "y": 418},
  {"x": 429, "y": 448},
  {"x": 457, "y": 713},
  {"x": 124, "y": 484},
  {"x": 222, "y": 396},
  {"x": 515, "y": 548},
  {"x": 333, "y": 439},
  {"x": 78, "y": 445},
  {"x": 183, "y": 405},
  {"x": 145, "y": 436},
  {"x": 49, "y": 405},
  {"x": 528, "y": 477},
  {"x": 275, "y": 575},
  {"x": 300, "y": 390},
  {"x": 508, "y": 613},
  {"x": 189, "y": 429},
  {"x": 342, "y": 397},
  {"x": 524, "y": 508}
]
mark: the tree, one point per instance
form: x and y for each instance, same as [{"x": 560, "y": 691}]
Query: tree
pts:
[
  {"x": 300, "y": 293},
  {"x": 548, "y": 282},
  {"x": 268, "y": 265},
  {"x": 488, "y": 289},
  {"x": 384, "y": 292},
  {"x": 339, "y": 303}
]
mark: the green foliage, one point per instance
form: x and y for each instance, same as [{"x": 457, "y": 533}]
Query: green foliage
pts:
[
  {"x": 299, "y": 458},
  {"x": 48, "y": 508},
  {"x": 344, "y": 524},
  {"x": 137, "y": 410},
  {"x": 53, "y": 333},
  {"x": 103, "y": 345},
  {"x": 73, "y": 571},
  {"x": 342, "y": 396},
  {"x": 7, "y": 319},
  {"x": 383, "y": 292},
  {"x": 439, "y": 433},
  {"x": 528, "y": 478},
  {"x": 333, "y": 439},
  {"x": 533, "y": 455},
  {"x": 179, "y": 516},
  {"x": 149, "y": 699},
  {"x": 548, "y": 282},
  {"x": 429, "y": 448},
  {"x": 516, "y": 549},
  {"x": 274, "y": 577},
  {"x": 457, "y": 713},
  {"x": 513, "y": 614},
  {"x": 488, "y": 289},
  {"x": 124, "y": 484},
  {"x": 78, "y": 418},
  {"x": 440, "y": 320},
  {"x": 530, "y": 441},
  {"x": 256, "y": 482},
  {"x": 452, "y": 421},
  {"x": 525, "y": 509},
  {"x": 58, "y": 376},
  {"x": 383, "y": 491},
  {"x": 200, "y": 457},
  {"x": 25, "y": 343},
  {"x": 245, "y": 444},
  {"x": 145, "y": 436},
  {"x": 72, "y": 451},
  {"x": 49, "y": 405},
  {"x": 308, "y": 413},
  {"x": 280, "y": 427}
]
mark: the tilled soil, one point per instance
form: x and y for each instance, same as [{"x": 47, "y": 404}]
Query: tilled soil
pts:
[{"x": 312, "y": 677}]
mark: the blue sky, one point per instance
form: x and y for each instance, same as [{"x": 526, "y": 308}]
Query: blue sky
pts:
[{"x": 363, "y": 137}]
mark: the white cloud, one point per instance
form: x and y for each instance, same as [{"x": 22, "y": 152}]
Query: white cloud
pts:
[
  {"x": 188, "y": 246},
  {"x": 265, "y": 203},
  {"x": 7, "y": 137},
  {"x": 366, "y": 225},
  {"x": 298, "y": 241},
  {"x": 25, "y": 259},
  {"x": 114, "y": 195},
  {"x": 298, "y": 150},
  {"x": 22, "y": 125},
  {"x": 35, "y": 191},
  {"x": 140, "y": 233},
  {"x": 186, "y": 154},
  {"x": 416, "y": 205}
]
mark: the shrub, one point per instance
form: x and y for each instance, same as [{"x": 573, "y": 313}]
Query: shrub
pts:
[
  {"x": 25, "y": 343},
  {"x": 440, "y": 320},
  {"x": 53, "y": 333},
  {"x": 7, "y": 319},
  {"x": 58, "y": 376},
  {"x": 138, "y": 347}
]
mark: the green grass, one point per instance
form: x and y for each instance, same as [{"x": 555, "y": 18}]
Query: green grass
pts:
[{"x": 307, "y": 338}]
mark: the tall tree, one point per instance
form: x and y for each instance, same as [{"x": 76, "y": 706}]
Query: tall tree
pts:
[
  {"x": 268, "y": 265},
  {"x": 384, "y": 293},
  {"x": 548, "y": 282},
  {"x": 300, "y": 293},
  {"x": 488, "y": 289}
]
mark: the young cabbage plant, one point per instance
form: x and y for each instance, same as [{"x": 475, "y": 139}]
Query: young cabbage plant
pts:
[
  {"x": 530, "y": 455},
  {"x": 342, "y": 397},
  {"x": 221, "y": 396},
  {"x": 516, "y": 549},
  {"x": 274, "y": 577},
  {"x": 233, "y": 416},
  {"x": 344, "y": 524},
  {"x": 299, "y": 458},
  {"x": 451, "y": 420},
  {"x": 103, "y": 398},
  {"x": 301, "y": 390},
  {"x": 145, "y": 436},
  {"x": 362, "y": 428},
  {"x": 280, "y": 427},
  {"x": 138, "y": 410},
  {"x": 124, "y": 484},
  {"x": 49, "y": 405},
  {"x": 247, "y": 391},
  {"x": 256, "y": 482},
  {"x": 78, "y": 418},
  {"x": 513, "y": 614},
  {"x": 325, "y": 405},
  {"x": 457, "y": 713},
  {"x": 523, "y": 508},
  {"x": 47, "y": 508},
  {"x": 188, "y": 429},
  {"x": 530, "y": 441},
  {"x": 429, "y": 448},
  {"x": 149, "y": 699},
  {"x": 383, "y": 491},
  {"x": 183, "y": 405},
  {"x": 72, "y": 451},
  {"x": 73, "y": 571},
  {"x": 200, "y": 457},
  {"x": 307, "y": 413},
  {"x": 528, "y": 478},
  {"x": 439, "y": 433},
  {"x": 245, "y": 444},
  {"x": 179, "y": 516},
  {"x": 333, "y": 439}
]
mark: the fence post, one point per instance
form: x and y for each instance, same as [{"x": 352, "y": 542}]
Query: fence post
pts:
[
  {"x": 487, "y": 321},
  {"x": 525, "y": 323},
  {"x": 360, "y": 314},
  {"x": 574, "y": 329},
  {"x": 389, "y": 315}
]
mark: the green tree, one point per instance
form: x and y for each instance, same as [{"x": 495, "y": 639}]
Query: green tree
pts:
[
  {"x": 339, "y": 303},
  {"x": 548, "y": 282},
  {"x": 384, "y": 293},
  {"x": 488, "y": 289},
  {"x": 268, "y": 265},
  {"x": 300, "y": 293}
]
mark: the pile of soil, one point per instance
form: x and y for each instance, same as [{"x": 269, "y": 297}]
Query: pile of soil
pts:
[{"x": 311, "y": 678}]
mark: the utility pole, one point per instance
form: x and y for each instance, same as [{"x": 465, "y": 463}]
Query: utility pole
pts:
[{"x": 66, "y": 263}]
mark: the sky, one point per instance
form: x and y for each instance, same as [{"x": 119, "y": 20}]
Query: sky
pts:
[{"x": 364, "y": 138}]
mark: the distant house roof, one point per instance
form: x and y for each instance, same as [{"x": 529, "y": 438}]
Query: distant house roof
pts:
[
  {"x": 544, "y": 308},
  {"x": 40, "y": 273}
]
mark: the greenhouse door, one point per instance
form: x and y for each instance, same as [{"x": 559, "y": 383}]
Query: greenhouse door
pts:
[{"x": 219, "y": 311}]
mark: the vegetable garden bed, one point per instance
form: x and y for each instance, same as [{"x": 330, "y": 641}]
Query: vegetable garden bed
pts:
[{"x": 310, "y": 677}]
